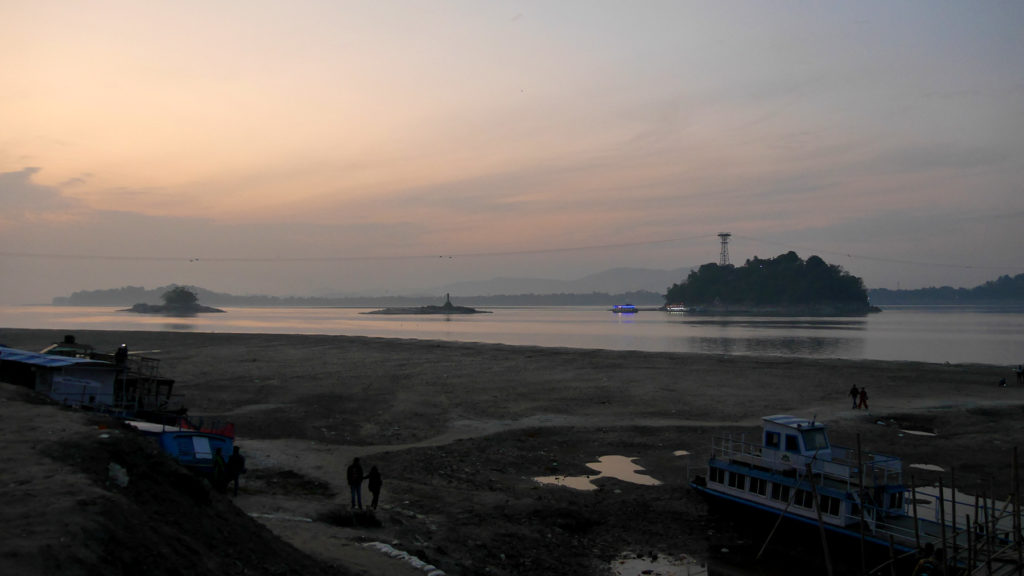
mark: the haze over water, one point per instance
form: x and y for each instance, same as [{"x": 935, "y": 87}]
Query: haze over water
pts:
[{"x": 940, "y": 334}]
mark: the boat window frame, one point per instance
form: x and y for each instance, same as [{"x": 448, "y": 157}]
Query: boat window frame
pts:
[
  {"x": 772, "y": 439},
  {"x": 792, "y": 443},
  {"x": 816, "y": 434},
  {"x": 755, "y": 483},
  {"x": 737, "y": 480}
]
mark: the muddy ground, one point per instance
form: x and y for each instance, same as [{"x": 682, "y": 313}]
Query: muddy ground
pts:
[{"x": 461, "y": 430}]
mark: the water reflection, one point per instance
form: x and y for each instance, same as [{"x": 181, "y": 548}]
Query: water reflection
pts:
[
  {"x": 179, "y": 327},
  {"x": 619, "y": 467},
  {"x": 955, "y": 335}
]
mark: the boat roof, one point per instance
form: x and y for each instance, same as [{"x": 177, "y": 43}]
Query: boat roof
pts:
[
  {"x": 792, "y": 421},
  {"x": 46, "y": 360}
]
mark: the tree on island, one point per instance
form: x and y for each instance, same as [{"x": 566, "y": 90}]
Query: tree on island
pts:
[
  {"x": 783, "y": 283},
  {"x": 178, "y": 301},
  {"x": 180, "y": 297}
]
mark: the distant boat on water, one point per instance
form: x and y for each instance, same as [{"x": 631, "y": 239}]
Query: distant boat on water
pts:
[{"x": 624, "y": 309}]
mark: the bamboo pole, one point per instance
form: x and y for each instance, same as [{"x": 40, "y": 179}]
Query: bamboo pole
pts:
[
  {"x": 942, "y": 523},
  {"x": 860, "y": 482},
  {"x": 970, "y": 547},
  {"x": 913, "y": 505},
  {"x": 1016, "y": 513},
  {"x": 988, "y": 539},
  {"x": 952, "y": 513}
]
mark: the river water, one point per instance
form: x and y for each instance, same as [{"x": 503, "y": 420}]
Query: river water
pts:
[{"x": 955, "y": 334}]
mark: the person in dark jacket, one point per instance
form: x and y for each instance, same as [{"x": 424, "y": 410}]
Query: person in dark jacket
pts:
[
  {"x": 374, "y": 484},
  {"x": 220, "y": 474},
  {"x": 354, "y": 475},
  {"x": 235, "y": 467}
]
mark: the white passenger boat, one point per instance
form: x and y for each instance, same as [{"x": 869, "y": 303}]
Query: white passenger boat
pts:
[{"x": 795, "y": 471}]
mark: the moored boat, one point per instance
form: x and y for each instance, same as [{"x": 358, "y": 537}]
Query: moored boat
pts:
[
  {"x": 679, "y": 307},
  {"x": 796, "y": 472},
  {"x": 624, "y": 309}
]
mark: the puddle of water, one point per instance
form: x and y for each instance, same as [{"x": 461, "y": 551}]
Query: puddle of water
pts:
[
  {"x": 931, "y": 467},
  {"x": 620, "y": 467},
  {"x": 919, "y": 433},
  {"x": 628, "y": 564},
  {"x": 964, "y": 505}
]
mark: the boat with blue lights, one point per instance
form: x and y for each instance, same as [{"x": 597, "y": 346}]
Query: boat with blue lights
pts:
[{"x": 624, "y": 309}]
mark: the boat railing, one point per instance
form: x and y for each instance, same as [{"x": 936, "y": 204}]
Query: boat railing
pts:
[{"x": 839, "y": 463}]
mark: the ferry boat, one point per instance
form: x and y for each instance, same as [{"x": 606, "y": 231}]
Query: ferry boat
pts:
[
  {"x": 680, "y": 307},
  {"x": 624, "y": 309},
  {"x": 796, "y": 472}
]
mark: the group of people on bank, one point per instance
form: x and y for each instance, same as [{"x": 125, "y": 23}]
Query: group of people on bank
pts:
[
  {"x": 228, "y": 472},
  {"x": 355, "y": 478}
]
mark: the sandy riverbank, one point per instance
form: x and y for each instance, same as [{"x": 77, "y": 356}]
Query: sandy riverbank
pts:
[{"x": 460, "y": 430}]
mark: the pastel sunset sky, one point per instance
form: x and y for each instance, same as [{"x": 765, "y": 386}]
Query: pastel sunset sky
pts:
[{"x": 331, "y": 147}]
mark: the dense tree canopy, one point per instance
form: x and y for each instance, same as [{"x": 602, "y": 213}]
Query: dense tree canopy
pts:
[
  {"x": 180, "y": 297},
  {"x": 785, "y": 280}
]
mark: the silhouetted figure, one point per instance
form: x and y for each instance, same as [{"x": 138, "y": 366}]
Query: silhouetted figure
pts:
[
  {"x": 220, "y": 472},
  {"x": 862, "y": 401},
  {"x": 121, "y": 356},
  {"x": 354, "y": 476},
  {"x": 374, "y": 484},
  {"x": 235, "y": 467},
  {"x": 854, "y": 394},
  {"x": 1020, "y": 374},
  {"x": 927, "y": 565}
]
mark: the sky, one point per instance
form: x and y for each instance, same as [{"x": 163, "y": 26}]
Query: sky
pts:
[{"x": 390, "y": 147}]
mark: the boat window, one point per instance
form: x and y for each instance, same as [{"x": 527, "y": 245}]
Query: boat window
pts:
[
  {"x": 737, "y": 481},
  {"x": 804, "y": 499},
  {"x": 792, "y": 443},
  {"x": 758, "y": 486},
  {"x": 780, "y": 492},
  {"x": 717, "y": 475},
  {"x": 815, "y": 439},
  {"x": 771, "y": 440},
  {"x": 829, "y": 505}
]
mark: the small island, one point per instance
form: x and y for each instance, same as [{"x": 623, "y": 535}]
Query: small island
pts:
[
  {"x": 782, "y": 286},
  {"x": 447, "y": 308},
  {"x": 178, "y": 301}
]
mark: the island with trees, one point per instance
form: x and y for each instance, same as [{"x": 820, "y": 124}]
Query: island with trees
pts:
[
  {"x": 178, "y": 301},
  {"x": 784, "y": 285}
]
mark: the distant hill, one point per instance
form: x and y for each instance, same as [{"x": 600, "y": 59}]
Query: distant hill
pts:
[
  {"x": 638, "y": 286},
  {"x": 1003, "y": 290}
]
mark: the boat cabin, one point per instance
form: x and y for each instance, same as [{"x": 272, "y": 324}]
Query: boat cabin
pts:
[{"x": 794, "y": 441}]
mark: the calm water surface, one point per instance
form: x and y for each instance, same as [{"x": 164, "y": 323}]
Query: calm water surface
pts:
[{"x": 931, "y": 334}]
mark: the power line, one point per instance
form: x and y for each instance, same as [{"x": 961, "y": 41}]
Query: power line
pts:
[{"x": 492, "y": 254}]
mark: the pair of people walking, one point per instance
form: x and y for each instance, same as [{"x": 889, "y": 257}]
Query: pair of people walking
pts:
[
  {"x": 859, "y": 397},
  {"x": 355, "y": 478}
]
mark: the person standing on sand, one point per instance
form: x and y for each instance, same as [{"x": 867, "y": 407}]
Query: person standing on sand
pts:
[
  {"x": 220, "y": 473},
  {"x": 374, "y": 484},
  {"x": 235, "y": 468},
  {"x": 354, "y": 475},
  {"x": 863, "y": 399},
  {"x": 854, "y": 393}
]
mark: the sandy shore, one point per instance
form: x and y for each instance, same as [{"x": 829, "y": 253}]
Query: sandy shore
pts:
[{"x": 461, "y": 430}]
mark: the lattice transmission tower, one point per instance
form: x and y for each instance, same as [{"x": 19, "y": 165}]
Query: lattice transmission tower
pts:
[{"x": 723, "y": 259}]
